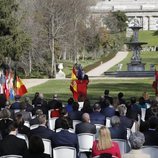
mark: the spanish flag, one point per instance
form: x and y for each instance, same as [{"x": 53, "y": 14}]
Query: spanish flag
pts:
[
  {"x": 73, "y": 85},
  {"x": 20, "y": 88}
]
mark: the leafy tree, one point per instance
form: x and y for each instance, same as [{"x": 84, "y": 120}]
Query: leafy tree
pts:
[{"x": 13, "y": 40}]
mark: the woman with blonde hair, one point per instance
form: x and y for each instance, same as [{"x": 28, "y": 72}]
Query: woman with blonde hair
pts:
[{"x": 105, "y": 145}]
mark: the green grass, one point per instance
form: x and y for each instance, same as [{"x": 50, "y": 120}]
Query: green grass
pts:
[
  {"x": 130, "y": 87},
  {"x": 147, "y": 57},
  {"x": 151, "y": 37}
]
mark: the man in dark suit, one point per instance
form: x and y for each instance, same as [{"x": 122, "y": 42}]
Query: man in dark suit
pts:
[
  {"x": 96, "y": 116},
  {"x": 85, "y": 126},
  {"x": 65, "y": 137},
  {"x": 11, "y": 145},
  {"x": 151, "y": 135},
  {"x": 42, "y": 130},
  {"x": 117, "y": 131},
  {"x": 35, "y": 120},
  {"x": 75, "y": 114}
]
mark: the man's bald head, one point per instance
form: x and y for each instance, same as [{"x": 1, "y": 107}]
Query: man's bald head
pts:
[{"x": 85, "y": 117}]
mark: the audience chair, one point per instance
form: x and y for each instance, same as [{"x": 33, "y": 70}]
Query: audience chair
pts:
[
  {"x": 11, "y": 156},
  {"x": 64, "y": 151},
  {"x": 34, "y": 126},
  {"x": 27, "y": 124},
  {"x": 80, "y": 105},
  {"x": 85, "y": 141},
  {"x": 51, "y": 123},
  {"x": 123, "y": 145},
  {"x": 143, "y": 113},
  {"x": 108, "y": 124},
  {"x": 150, "y": 150},
  {"x": 75, "y": 122},
  {"x": 24, "y": 137},
  {"x": 47, "y": 146},
  {"x": 97, "y": 130}
]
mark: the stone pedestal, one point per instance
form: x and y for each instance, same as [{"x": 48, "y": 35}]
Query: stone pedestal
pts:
[
  {"x": 60, "y": 74},
  {"x": 136, "y": 67}
]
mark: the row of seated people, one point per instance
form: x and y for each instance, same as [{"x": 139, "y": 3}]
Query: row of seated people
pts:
[
  {"x": 104, "y": 145},
  {"x": 97, "y": 117}
]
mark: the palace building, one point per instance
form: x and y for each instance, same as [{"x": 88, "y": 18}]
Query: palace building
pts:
[{"x": 144, "y": 11}]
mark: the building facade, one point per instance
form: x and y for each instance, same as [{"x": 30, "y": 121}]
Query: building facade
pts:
[{"x": 144, "y": 11}]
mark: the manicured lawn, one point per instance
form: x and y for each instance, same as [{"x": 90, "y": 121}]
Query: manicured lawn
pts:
[
  {"x": 149, "y": 36},
  {"x": 147, "y": 57},
  {"x": 130, "y": 87}
]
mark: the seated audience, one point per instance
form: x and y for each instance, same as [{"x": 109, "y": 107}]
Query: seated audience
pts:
[
  {"x": 75, "y": 114},
  {"x": 35, "y": 98},
  {"x": 152, "y": 111},
  {"x": 42, "y": 130},
  {"x": 35, "y": 120},
  {"x": 36, "y": 148},
  {"x": 22, "y": 129},
  {"x": 16, "y": 103},
  {"x": 108, "y": 110},
  {"x": 105, "y": 144},
  {"x": 85, "y": 126},
  {"x": 63, "y": 114},
  {"x": 12, "y": 145},
  {"x": 120, "y": 98},
  {"x": 96, "y": 116},
  {"x": 69, "y": 104},
  {"x": 86, "y": 106},
  {"x": 5, "y": 121},
  {"x": 117, "y": 131},
  {"x": 151, "y": 135},
  {"x": 136, "y": 140},
  {"x": 28, "y": 106},
  {"x": 125, "y": 121},
  {"x": 107, "y": 96},
  {"x": 64, "y": 137},
  {"x": 25, "y": 114}
]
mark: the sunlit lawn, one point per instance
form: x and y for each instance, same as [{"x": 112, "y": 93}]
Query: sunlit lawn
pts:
[
  {"x": 147, "y": 57},
  {"x": 130, "y": 87}
]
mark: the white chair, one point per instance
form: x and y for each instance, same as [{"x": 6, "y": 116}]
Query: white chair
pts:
[
  {"x": 85, "y": 141},
  {"x": 108, "y": 123},
  {"x": 27, "y": 124},
  {"x": 24, "y": 137},
  {"x": 11, "y": 156},
  {"x": 51, "y": 123},
  {"x": 97, "y": 128},
  {"x": 34, "y": 126},
  {"x": 150, "y": 150},
  {"x": 143, "y": 113},
  {"x": 123, "y": 145},
  {"x": 80, "y": 105},
  {"x": 64, "y": 151},
  {"x": 49, "y": 113},
  {"x": 75, "y": 122},
  {"x": 47, "y": 146}
]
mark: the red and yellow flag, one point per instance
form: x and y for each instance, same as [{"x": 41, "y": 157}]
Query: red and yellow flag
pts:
[
  {"x": 20, "y": 87},
  {"x": 73, "y": 85}
]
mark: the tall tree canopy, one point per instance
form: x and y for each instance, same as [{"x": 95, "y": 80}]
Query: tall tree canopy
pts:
[{"x": 13, "y": 41}]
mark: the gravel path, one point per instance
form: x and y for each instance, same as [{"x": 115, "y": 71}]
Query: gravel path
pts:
[
  {"x": 98, "y": 71},
  {"x": 93, "y": 74}
]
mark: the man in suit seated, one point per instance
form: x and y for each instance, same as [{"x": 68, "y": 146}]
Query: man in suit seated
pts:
[
  {"x": 64, "y": 137},
  {"x": 96, "y": 116},
  {"x": 151, "y": 135},
  {"x": 117, "y": 131},
  {"x": 35, "y": 120},
  {"x": 42, "y": 130},
  {"x": 12, "y": 145},
  {"x": 85, "y": 126}
]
